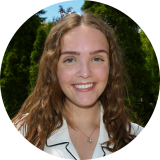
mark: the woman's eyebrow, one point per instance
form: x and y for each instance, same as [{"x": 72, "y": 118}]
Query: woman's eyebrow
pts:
[{"x": 78, "y": 53}]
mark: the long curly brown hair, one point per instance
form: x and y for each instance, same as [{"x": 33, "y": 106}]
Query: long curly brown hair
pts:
[{"x": 45, "y": 104}]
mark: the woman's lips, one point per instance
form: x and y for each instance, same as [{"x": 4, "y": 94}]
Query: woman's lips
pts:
[
  {"x": 84, "y": 90},
  {"x": 84, "y": 83}
]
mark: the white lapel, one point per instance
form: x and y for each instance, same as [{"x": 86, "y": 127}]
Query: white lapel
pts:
[{"x": 60, "y": 144}]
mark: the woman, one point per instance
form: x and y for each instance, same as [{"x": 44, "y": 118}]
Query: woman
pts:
[{"x": 76, "y": 110}]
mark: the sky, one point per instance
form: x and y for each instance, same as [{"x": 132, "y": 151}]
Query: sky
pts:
[{"x": 52, "y": 11}]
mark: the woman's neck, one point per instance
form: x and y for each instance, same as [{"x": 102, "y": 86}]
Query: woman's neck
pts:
[{"x": 85, "y": 118}]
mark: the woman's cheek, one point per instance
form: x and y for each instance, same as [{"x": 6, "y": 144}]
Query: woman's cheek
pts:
[
  {"x": 66, "y": 74},
  {"x": 102, "y": 72}
]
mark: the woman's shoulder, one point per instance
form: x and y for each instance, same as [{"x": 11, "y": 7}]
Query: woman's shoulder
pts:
[
  {"x": 18, "y": 124},
  {"x": 135, "y": 128}
]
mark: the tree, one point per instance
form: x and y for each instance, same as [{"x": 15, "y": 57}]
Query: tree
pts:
[
  {"x": 35, "y": 57},
  {"x": 48, "y": 26},
  {"x": 128, "y": 37},
  {"x": 38, "y": 46},
  {"x": 151, "y": 64},
  {"x": 64, "y": 13},
  {"x": 15, "y": 65},
  {"x": 39, "y": 13}
]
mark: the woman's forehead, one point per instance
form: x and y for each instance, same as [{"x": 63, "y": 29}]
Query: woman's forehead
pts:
[{"x": 83, "y": 41}]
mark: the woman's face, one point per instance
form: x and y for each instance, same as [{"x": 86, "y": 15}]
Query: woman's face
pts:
[{"x": 83, "y": 67}]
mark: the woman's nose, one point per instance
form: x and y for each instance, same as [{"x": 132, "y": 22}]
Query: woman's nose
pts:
[{"x": 84, "y": 71}]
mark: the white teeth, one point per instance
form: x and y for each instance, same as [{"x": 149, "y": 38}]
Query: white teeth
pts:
[{"x": 84, "y": 86}]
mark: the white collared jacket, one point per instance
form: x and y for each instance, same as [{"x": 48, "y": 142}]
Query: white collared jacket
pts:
[{"x": 59, "y": 144}]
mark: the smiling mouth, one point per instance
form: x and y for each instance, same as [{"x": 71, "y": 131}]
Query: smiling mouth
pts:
[
  {"x": 84, "y": 86},
  {"x": 84, "y": 89},
  {"x": 85, "y": 83}
]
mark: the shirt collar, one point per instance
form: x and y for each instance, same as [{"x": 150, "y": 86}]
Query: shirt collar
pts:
[{"x": 62, "y": 135}]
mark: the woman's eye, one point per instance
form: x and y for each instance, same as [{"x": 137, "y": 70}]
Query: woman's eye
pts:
[
  {"x": 73, "y": 59},
  {"x": 68, "y": 59},
  {"x": 99, "y": 58}
]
